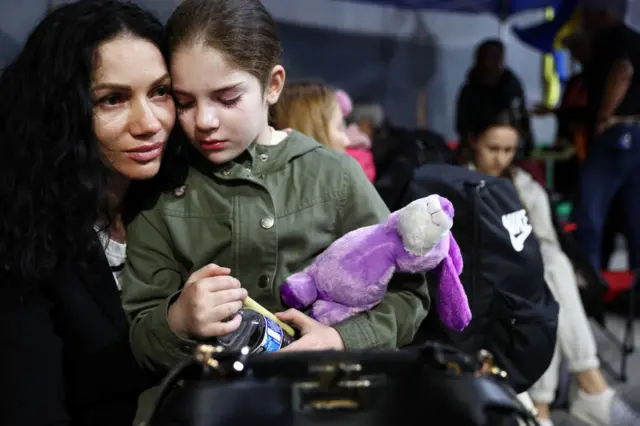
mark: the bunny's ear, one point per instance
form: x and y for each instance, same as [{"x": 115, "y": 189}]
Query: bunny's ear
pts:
[
  {"x": 455, "y": 254},
  {"x": 453, "y": 305}
]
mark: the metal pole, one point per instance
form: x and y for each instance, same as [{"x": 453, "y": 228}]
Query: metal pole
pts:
[{"x": 505, "y": 9}]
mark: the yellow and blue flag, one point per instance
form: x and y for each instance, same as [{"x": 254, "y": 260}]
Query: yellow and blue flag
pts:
[{"x": 547, "y": 38}]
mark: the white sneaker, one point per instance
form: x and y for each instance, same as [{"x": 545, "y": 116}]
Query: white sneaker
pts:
[{"x": 603, "y": 409}]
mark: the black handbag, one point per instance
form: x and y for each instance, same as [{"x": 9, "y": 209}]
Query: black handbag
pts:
[{"x": 433, "y": 384}]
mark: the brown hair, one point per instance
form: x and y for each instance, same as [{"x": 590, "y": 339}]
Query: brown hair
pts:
[
  {"x": 307, "y": 107},
  {"x": 242, "y": 30}
]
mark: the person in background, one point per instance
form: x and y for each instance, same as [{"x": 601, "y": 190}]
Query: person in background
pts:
[
  {"x": 359, "y": 145},
  {"x": 370, "y": 119},
  {"x": 254, "y": 206},
  {"x": 85, "y": 111},
  {"x": 494, "y": 142},
  {"x": 311, "y": 109},
  {"x": 572, "y": 113},
  {"x": 491, "y": 87},
  {"x": 612, "y": 166},
  {"x": 572, "y": 117}
]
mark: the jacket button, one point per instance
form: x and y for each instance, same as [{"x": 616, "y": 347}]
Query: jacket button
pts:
[
  {"x": 226, "y": 172},
  {"x": 264, "y": 157},
  {"x": 263, "y": 282},
  {"x": 267, "y": 222}
]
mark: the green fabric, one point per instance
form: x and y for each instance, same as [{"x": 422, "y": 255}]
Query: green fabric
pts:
[{"x": 266, "y": 215}]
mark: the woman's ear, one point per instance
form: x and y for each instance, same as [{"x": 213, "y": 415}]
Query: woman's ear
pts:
[{"x": 275, "y": 84}]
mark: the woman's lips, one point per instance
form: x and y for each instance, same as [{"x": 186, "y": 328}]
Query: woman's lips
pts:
[{"x": 146, "y": 153}]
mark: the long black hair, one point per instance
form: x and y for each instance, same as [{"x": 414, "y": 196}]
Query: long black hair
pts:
[
  {"x": 485, "y": 120},
  {"x": 53, "y": 181}
]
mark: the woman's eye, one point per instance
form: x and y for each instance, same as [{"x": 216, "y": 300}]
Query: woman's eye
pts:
[
  {"x": 111, "y": 100},
  {"x": 162, "y": 91}
]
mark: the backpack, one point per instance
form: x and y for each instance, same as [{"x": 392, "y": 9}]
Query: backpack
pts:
[
  {"x": 514, "y": 315},
  {"x": 399, "y": 153}
]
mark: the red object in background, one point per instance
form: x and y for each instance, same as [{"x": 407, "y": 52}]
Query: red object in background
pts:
[
  {"x": 365, "y": 158},
  {"x": 619, "y": 281}
]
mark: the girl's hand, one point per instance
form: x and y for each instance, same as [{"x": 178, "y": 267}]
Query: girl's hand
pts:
[
  {"x": 209, "y": 296},
  {"x": 315, "y": 336}
]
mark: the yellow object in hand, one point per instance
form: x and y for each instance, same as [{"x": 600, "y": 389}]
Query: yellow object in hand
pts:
[{"x": 249, "y": 303}]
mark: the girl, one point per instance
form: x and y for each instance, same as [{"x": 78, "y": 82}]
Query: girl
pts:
[
  {"x": 494, "y": 142},
  {"x": 315, "y": 110},
  {"x": 311, "y": 109},
  {"x": 259, "y": 201},
  {"x": 85, "y": 109}
]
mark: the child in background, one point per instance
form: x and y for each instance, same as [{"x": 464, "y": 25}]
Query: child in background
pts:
[{"x": 359, "y": 145}]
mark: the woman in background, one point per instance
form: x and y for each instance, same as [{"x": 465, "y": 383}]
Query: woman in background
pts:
[{"x": 494, "y": 141}]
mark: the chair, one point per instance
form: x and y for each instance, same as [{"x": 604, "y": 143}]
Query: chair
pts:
[{"x": 602, "y": 287}]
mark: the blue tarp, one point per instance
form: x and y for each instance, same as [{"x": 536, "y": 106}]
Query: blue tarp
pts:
[
  {"x": 500, "y": 8},
  {"x": 543, "y": 36}
]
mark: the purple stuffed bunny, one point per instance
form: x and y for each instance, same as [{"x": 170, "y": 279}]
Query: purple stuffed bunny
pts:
[{"x": 352, "y": 275}]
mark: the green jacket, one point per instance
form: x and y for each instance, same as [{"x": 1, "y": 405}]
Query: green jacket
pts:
[{"x": 265, "y": 215}]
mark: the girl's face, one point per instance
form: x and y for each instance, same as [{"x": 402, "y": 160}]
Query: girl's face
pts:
[
  {"x": 337, "y": 128},
  {"x": 133, "y": 112},
  {"x": 495, "y": 149},
  {"x": 222, "y": 109}
]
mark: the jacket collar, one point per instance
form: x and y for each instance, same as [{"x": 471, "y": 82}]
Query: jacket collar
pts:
[
  {"x": 259, "y": 158},
  {"x": 97, "y": 277}
]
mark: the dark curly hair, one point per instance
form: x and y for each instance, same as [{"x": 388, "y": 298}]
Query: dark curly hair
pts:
[{"x": 53, "y": 181}]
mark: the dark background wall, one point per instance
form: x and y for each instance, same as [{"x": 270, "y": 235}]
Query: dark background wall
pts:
[{"x": 377, "y": 54}]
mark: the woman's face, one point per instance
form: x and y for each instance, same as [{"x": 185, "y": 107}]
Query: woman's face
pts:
[
  {"x": 337, "y": 129},
  {"x": 495, "y": 149},
  {"x": 132, "y": 105},
  {"x": 222, "y": 109}
]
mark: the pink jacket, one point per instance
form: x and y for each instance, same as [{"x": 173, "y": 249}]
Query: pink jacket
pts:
[{"x": 365, "y": 158}]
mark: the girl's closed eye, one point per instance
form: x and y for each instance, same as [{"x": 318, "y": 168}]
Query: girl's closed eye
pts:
[{"x": 228, "y": 103}]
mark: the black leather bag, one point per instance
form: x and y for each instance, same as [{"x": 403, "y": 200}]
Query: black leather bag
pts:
[{"x": 430, "y": 385}]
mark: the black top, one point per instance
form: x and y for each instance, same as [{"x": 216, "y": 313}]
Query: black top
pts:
[
  {"x": 477, "y": 99},
  {"x": 65, "y": 357},
  {"x": 610, "y": 45}
]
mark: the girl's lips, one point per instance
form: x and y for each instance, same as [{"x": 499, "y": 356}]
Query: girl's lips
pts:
[{"x": 214, "y": 144}]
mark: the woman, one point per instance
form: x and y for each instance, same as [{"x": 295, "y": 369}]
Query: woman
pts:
[
  {"x": 494, "y": 142},
  {"x": 491, "y": 87},
  {"x": 85, "y": 109},
  {"x": 258, "y": 202}
]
